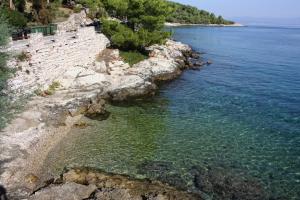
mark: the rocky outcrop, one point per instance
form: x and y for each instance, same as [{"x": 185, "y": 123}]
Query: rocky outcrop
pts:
[
  {"x": 74, "y": 22},
  {"x": 54, "y": 58},
  {"x": 87, "y": 183},
  {"x": 68, "y": 191}
]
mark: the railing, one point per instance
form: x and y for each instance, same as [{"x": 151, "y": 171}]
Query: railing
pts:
[
  {"x": 24, "y": 33},
  {"x": 46, "y": 30}
]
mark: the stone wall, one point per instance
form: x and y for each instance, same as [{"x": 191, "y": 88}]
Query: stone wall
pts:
[{"x": 50, "y": 57}]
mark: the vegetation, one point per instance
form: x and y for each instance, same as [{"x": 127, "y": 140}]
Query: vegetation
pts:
[
  {"x": 126, "y": 38},
  {"x": 132, "y": 57},
  {"x": 4, "y": 34},
  {"x": 4, "y": 30},
  {"x": 142, "y": 26},
  {"x": 50, "y": 91},
  {"x": 40, "y": 12},
  {"x": 191, "y": 15},
  {"x": 14, "y": 18},
  {"x": 4, "y": 72},
  {"x": 22, "y": 56}
]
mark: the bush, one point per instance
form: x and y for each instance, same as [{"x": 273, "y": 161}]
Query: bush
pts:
[
  {"x": 22, "y": 56},
  {"x": 4, "y": 72},
  {"x": 20, "y": 5},
  {"x": 120, "y": 35},
  {"x": 14, "y": 18},
  {"x": 77, "y": 8},
  {"x": 45, "y": 16},
  {"x": 132, "y": 57},
  {"x": 50, "y": 91},
  {"x": 126, "y": 39},
  {"x": 4, "y": 31}
]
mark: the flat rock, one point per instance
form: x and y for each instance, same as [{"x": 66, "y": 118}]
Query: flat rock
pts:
[{"x": 68, "y": 191}]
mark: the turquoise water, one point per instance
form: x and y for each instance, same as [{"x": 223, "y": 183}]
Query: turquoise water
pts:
[{"x": 241, "y": 114}]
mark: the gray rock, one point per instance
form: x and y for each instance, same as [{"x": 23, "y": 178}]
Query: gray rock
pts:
[
  {"x": 100, "y": 67},
  {"x": 116, "y": 194},
  {"x": 68, "y": 191}
]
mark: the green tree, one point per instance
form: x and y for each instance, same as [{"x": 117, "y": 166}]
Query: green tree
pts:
[
  {"x": 191, "y": 15},
  {"x": 116, "y": 7},
  {"x": 4, "y": 30},
  {"x": 20, "y": 5},
  {"x": 147, "y": 14},
  {"x": 13, "y": 18},
  {"x": 38, "y": 5}
]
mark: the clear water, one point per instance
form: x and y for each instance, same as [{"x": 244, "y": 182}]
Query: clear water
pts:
[{"x": 241, "y": 113}]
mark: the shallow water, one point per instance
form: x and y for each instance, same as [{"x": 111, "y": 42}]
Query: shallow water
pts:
[{"x": 242, "y": 113}]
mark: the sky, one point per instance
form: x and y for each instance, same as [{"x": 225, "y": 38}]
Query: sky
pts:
[{"x": 249, "y": 8}]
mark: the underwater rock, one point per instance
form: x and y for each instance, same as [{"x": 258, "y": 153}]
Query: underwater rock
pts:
[
  {"x": 162, "y": 171},
  {"x": 209, "y": 62},
  {"x": 155, "y": 166},
  {"x": 199, "y": 63},
  {"x": 223, "y": 185},
  {"x": 96, "y": 108},
  {"x": 195, "y": 55}
]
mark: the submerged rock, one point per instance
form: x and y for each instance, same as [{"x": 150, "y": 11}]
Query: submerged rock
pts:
[
  {"x": 222, "y": 185},
  {"x": 209, "y": 62},
  {"x": 164, "y": 172},
  {"x": 96, "y": 109},
  {"x": 195, "y": 55}
]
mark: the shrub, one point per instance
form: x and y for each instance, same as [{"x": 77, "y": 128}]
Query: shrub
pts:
[
  {"x": 54, "y": 85},
  {"x": 50, "y": 91},
  {"x": 132, "y": 57},
  {"x": 14, "y": 18},
  {"x": 45, "y": 16},
  {"x": 20, "y": 5},
  {"x": 126, "y": 39},
  {"x": 4, "y": 34},
  {"x": 4, "y": 31},
  {"x": 77, "y": 8},
  {"x": 22, "y": 56}
]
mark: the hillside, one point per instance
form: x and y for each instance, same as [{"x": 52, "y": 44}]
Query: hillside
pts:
[{"x": 186, "y": 14}]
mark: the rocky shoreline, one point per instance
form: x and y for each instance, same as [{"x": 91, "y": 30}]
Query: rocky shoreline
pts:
[
  {"x": 95, "y": 184},
  {"x": 82, "y": 89}
]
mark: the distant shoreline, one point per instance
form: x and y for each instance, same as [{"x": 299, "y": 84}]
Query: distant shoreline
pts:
[{"x": 205, "y": 25}]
